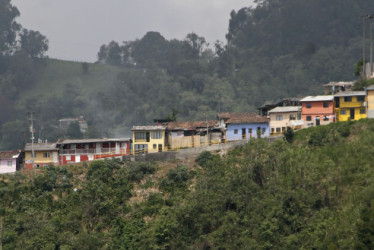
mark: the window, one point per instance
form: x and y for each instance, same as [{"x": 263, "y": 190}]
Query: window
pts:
[
  {"x": 157, "y": 135},
  {"x": 235, "y": 131},
  {"x": 343, "y": 112},
  {"x": 34, "y": 154},
  {"x": 140, "y": 135},
  {"x": 10, "y": 163},
  {"x": 154, "y": 146},
  {"x": 272, "y": 130},
  {"x": 362, "y": 111},
  {"x": 325, "y": 118},
  {"x": 250, "y": 131},
  {"x": 293, "y": 117},
  {"x": 68, "y": 157},
  {"x": 325, "y": 104},
  {"x": 308, "y": 118},
  {"x": 141, "y": 148},
  {"x": 361, "y": 98},
  {"x": 263, "y": 130},
  {"x": 279, "y": 117},
  {"x": 278, "y": 130},
  {"x": 308, "y": 105},
  {"x": 47, "y": 155},
  {"x": 283, "y": 129},
  {"x": 348, "y": 99}
]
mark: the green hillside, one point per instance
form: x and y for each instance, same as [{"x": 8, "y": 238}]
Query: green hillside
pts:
[{"x": 315, "y": 193}]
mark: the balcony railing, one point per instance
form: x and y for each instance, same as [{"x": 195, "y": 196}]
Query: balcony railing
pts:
[{"x": 93, "y": 151}]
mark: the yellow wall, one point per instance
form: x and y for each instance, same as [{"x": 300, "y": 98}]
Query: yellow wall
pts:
[
  {"x": 150, "y": 143},
  {"x": 347, "y": 106},
  {"x": 39, "y": 156}
]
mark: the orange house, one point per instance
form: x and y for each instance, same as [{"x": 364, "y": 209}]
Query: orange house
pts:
[{"x": 317, "y": 110}]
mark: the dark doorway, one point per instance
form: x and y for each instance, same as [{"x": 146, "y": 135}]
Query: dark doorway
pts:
[
  {"x": 318, "y": 121},
  {"x": 337, "y": 102},
  {"x": 352, "y": 113},
  {"x": 244, "y": 135},
  {"x": 159, "y": 147},
  {"x": 147, "y": 136}
]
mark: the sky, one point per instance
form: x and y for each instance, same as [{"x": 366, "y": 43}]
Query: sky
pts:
[{"x": 77, "y": 28}]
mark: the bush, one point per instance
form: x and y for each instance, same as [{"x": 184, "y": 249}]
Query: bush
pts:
[
  {"x": 137, "y": 171},
  {"x": 203, "y": 158},
  {"x": 289, "y": 135}
]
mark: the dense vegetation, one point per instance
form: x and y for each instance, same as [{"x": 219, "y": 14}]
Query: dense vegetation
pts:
[
  {"x": 276, "y": 49},
  {"x": 314, "y": 193}
]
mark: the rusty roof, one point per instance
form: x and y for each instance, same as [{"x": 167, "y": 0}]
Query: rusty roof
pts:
[
  {"x": 9, "y": 154},
  {"x": 148, "y": 128},
  {"x": 247, "y": 119},
  {"x": 191, "y": 125},
  {"x": 228, "y": 115}
]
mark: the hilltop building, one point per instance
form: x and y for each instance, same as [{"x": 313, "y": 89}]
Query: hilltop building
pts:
[
  {"x": 283, "y": 117},
  {"x": 317, "y": 110},
  {"x": 350, "y": 105}
]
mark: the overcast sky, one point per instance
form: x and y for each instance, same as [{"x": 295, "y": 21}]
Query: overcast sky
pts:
[{"x": 77, "y": 28}]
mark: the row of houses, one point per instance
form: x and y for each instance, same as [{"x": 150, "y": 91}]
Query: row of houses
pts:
[{"x": 271, "y": 120}]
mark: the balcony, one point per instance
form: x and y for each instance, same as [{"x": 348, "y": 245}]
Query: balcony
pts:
[{"x": 93, "y": 151}]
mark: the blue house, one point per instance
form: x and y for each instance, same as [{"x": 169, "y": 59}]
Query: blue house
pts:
[{"x": 246, "y": 127}]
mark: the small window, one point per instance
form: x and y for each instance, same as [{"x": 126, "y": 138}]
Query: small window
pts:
[
  {"x": 47, "y": 155},
  {"x": 348, "y": 99},
  {"x": 34, "y": 154},
  {"x": 308, "y": 105},
  {"x": 250, "y": 131},
  {"x": 38, "y": 165},
  {"x": 325, "y": 104},
  {"x": 361, "y": 98},
  {"x": 283, "y": 129},
  {"x": 263, "y": 130},
  {"x": 272, "y": 130},
  {"x": 235, "y": 131},
  {"x": 308, "y": 118},
  {"x": 343, "y": 112},
  {"x": 10, "y": 163},
  {"x": 325, "y": 118},
  {"x": 362, "y": 111},
  {"x": 278, "y": 130},
  {"x": 154, "y": 146},
  {"x": 279, "y": 117},
  {"x": 293, "y": 117},
  {"x": 68, "y": 157}
]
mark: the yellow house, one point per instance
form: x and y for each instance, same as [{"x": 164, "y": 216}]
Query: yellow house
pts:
[
  {"x": 370, "y": 101},
  {"x": 148, "y": 139},
  {"x": 350, "y": 105},
  {"x": 44, "y": 154}
]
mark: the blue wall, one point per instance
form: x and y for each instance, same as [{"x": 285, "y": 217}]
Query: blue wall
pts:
[{"x": 232, "y": 136}]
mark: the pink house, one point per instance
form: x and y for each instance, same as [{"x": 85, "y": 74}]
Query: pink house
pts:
[
  {"x": 9, "y": 161},
  {"x": 317, "y": 110}
]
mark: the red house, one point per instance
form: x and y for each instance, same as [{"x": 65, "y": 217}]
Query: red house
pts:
[{"x": 79, "y": 150}]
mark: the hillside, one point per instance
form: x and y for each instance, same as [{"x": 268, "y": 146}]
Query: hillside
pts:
[{"x": 316, "y": 192}]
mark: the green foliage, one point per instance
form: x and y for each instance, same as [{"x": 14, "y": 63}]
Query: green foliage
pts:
[
  {"x": 176, "y": 179},
  {"x": 136, "y": 172},
  {"x": 203, "y": 158},
  {"x": 289, "y": 135}
]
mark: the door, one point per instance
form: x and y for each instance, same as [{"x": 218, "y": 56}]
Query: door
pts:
[
  {"x": 77, "y": 158},
  {"x": 159, "y": 147},
  {"x": 352, "y": 112},
  {"x": 55, "y": 158},
  {"x": 147, "y": 136},
  {"x": 318, "y": 121},
  {"x": 337, "y": 102},
  {"x": 244, "y": 135}
]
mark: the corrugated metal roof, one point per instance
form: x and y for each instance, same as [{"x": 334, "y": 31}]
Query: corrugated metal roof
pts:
[
  {"x": 228, "y": 115},
  {"x": 148, "y": 128},
  {"x": 9, "y": 154},
  {"x": 285, "y": 109},
  {"x": 350, "y": 93},
  {"x": 71, "y": 141},
  {"x": 41, "y": 147},
  {"x": 371, "y": 87},
  {"x": 339, "y": 84},
  {"x": 317, "y": 98},
  {"x": 191, "y": 125},
  {"x": 243, "y": 119}
]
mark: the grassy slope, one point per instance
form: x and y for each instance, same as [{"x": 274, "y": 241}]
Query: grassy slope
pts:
[{"x": 57, "y": 74}]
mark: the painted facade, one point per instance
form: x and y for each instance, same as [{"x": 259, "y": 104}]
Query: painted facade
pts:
[
  {"x": 245, "y": 128},
  {"x": 317, "y": 110},
  {"x": 350, "y": 106},
  {"x": 148, "y": 139},
  {"x": 80, "y": 150},
  {"x": 370, "y": 101},
  {"x": 9, "y": 161},
  {"x": 283, "y": 117},
  {"x": 44, "y": 154}
]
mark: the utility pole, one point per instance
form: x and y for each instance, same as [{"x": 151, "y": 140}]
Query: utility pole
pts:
[
  {"x": 32, "y": 139},
  {"x": 363, "y": 47},
  {"x": 371, "y": 43}
]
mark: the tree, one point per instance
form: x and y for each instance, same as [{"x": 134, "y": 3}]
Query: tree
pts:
[
  {"x": 8, "y": 27},
  {"x": 34, "y": 43}
]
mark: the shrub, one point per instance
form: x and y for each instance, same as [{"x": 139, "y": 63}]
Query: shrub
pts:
[
  {"x": 203, "y": 158},
  {"x": 289, "y": 135}
]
